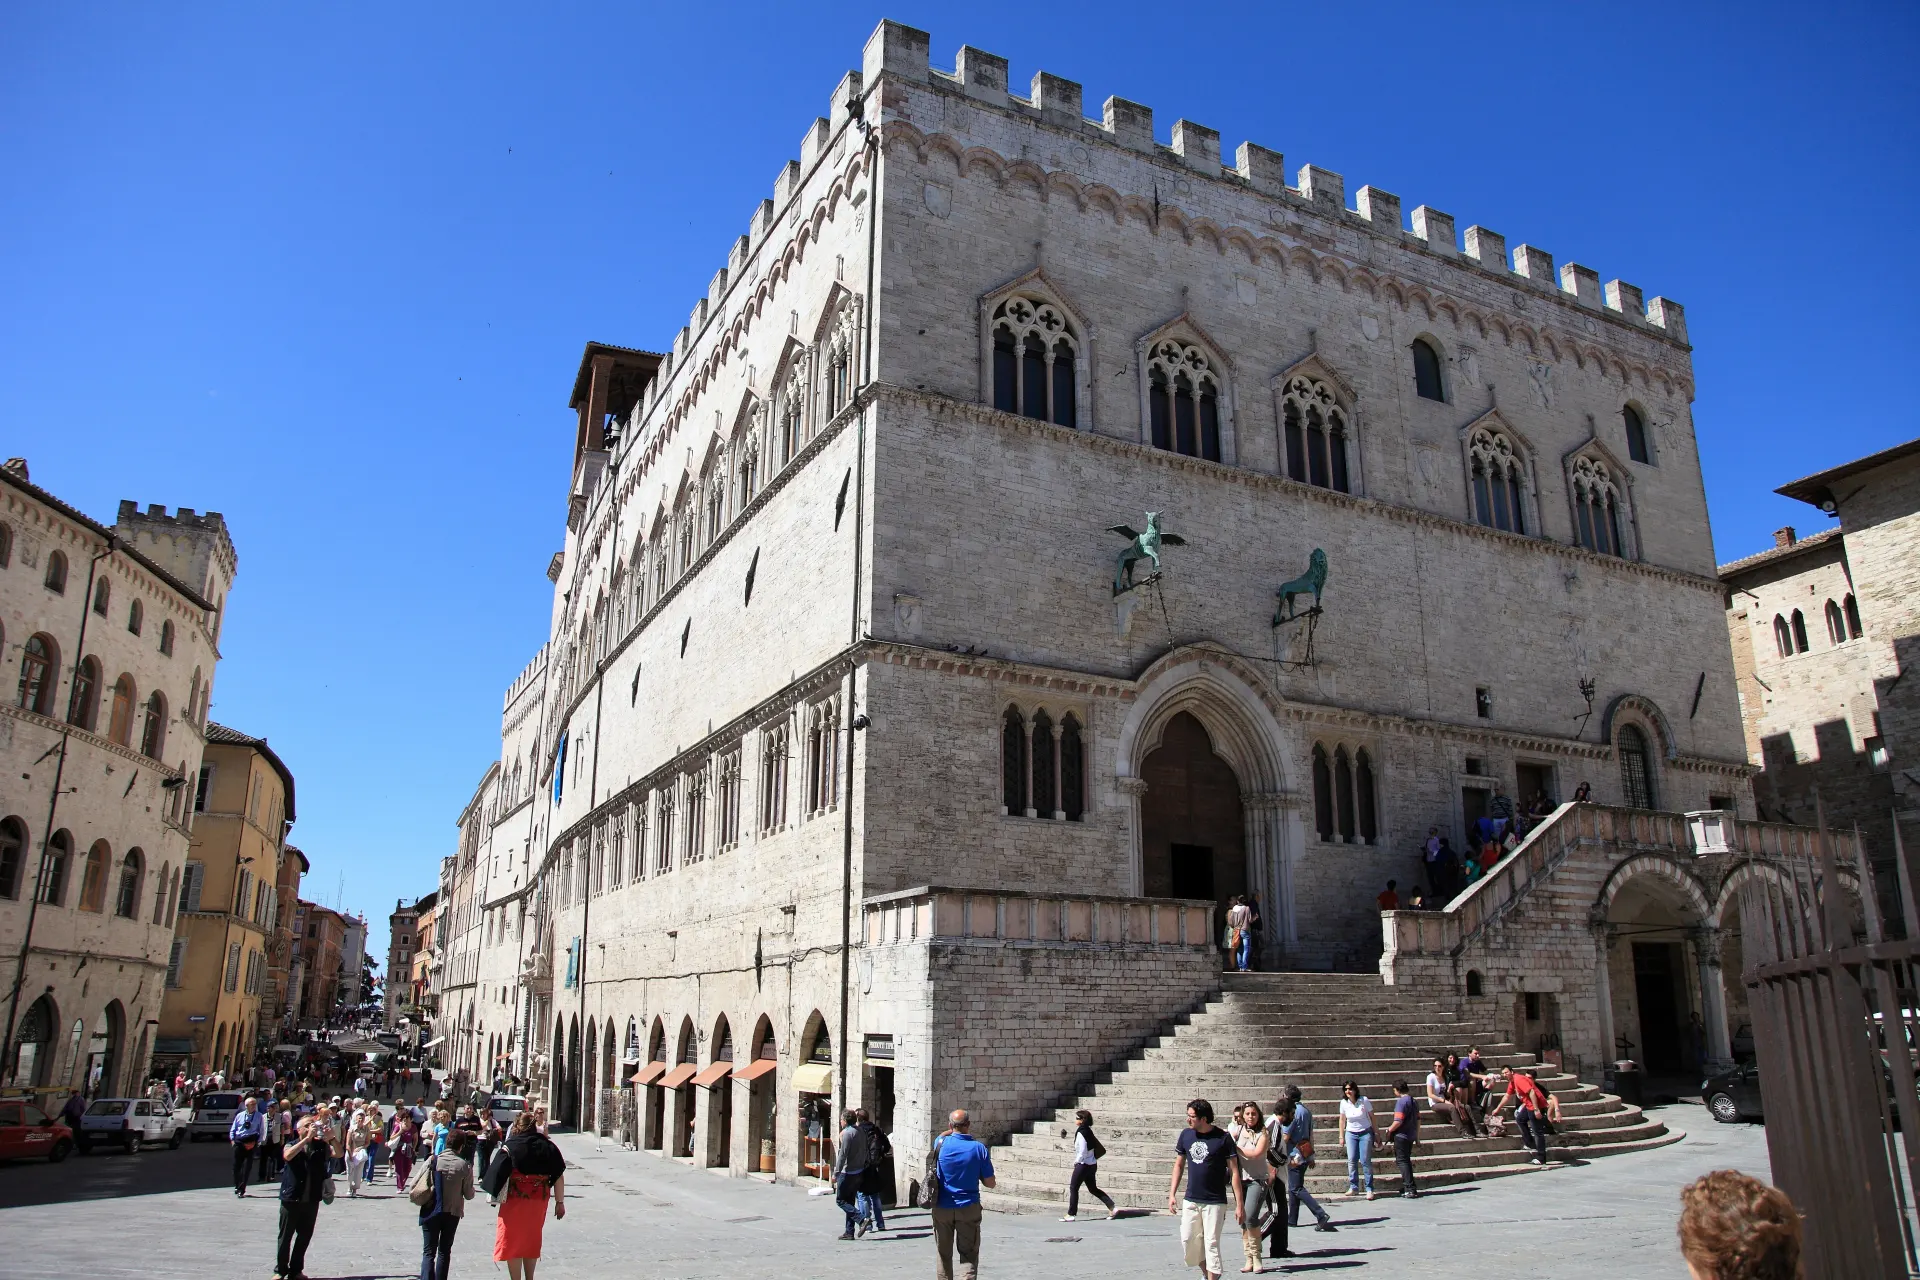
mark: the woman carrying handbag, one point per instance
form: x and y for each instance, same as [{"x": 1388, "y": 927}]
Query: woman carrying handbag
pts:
[
  {"x": 528, "y": 1171},
  {"x": 441, "y": 1190}
]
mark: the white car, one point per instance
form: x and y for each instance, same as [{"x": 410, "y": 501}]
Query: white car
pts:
[
  {"x": 506, "y": 1109},
  {"x": 128, "y": 1123},
  {"x": 213, "y": 1114}
]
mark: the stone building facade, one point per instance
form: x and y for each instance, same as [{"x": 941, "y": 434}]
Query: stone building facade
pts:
[
  {"x": 217, "y": 1015},
  {"x": 283, "y": 976},
  {"x": 110, "y": 637},
  {"x": 848, "y": 754}
]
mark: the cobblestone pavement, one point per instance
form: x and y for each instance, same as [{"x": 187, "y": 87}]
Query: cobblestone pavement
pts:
[{"x": 634, "y": 1214}]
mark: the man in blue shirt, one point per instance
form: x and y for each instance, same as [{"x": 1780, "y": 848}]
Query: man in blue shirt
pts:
[
  {"x": 960, "y": 1167},
  {"x": 1298, "y": 1149},
  {"x": 246, "y": 1132}
]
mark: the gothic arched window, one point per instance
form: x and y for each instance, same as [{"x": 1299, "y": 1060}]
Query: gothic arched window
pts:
[
  {"x": 1426, "y": 371},
  {"x": 1636, "y": 768},
  {"x": 1013, "y": 763},
  {"x": 1836, "y": 624},
  {"x": 1364, "y": 796},
  {"x": 1043, "y": 764},
  {"x": 1636, "y": 424},
  {"x": 1343, "y": 794},
  {"x": 1183, "y": 400},
  {"x": 1499, "y": 481},
  {"x": 1317, "y": 434},
  {"x": 1035, "y": 361},
  {"x": 1851, "y": 608},
  {"x": 1596, "y": 508},
  {"x": 1782, "y": 637},
  {"x": 1072, "y": 770},
  {"x": 1799, "y": 621},
  {"x": 790, "y": 412},
  {"x": 838, "y": 368},
  {"x": 39, "y": 673},
  {"x": 1322, "y": 793},
  {"x": 153, "y": 734}
]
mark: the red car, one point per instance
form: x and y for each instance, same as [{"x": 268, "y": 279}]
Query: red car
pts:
[{"x": 28, "y": 1132}]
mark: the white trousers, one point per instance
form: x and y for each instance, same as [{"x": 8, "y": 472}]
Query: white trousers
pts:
[{"x": 1200, "y": 1228}]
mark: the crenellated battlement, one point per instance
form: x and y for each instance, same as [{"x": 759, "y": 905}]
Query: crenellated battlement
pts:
[
  {"x": 904, "y": 54},
  {"x": 194, "y": 547},
  {"x": 528, "y": 674}
]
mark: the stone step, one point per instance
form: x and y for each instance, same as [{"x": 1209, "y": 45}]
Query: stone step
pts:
[
  {"x": 1171, "y": 1095},
  {"x": 1118, "y": 1129},
  {"x": 1328, "y": 1068}
]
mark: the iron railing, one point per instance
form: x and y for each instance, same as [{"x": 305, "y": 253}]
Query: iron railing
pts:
[{"x": 1834, "y": 1018}]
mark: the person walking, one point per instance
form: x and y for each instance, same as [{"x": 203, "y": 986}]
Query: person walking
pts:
[
  {"x": 959, "y": 1166},
  {"x": 1087, "y": 1150},
  {"x": 245, "y": 1132},
  {"x": 1251, "y": 1144},
  {"x": 1403, "y": 1133},
  {"x": 1207, "y": 1157},
  {"x": 1356, "y": 1123},
  {"x": 527, "y": 1173},
  {"x": 303, "y": 1182},
  {"x": 271, "y": 1141},
  {"x": 1258, "y": 928},
  {"x": 878, "y": 1176},
  {"x": 490, "y": 1135},
  {"x": 404, "y": 1141},
  {"x": 450, "y": 1183},
  {"x": 360, "y": 1136},
  {"x": 1240, "y": 931},
  {"x": 850, "y": 1163},
  {"x": 1298, "y": 1152}
]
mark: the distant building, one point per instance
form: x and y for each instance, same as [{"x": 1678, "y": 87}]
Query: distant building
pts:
[
  {"x": 278, "y": 1002},
  {"x": 353, "y": 960},
  {"x": 112, "y": 631},
  {"x": 323, "y": 932},
  {"x": 217, "y": 973},
  {"x": 1822, "y": 628},
  {"x": 403, "y": 945}
]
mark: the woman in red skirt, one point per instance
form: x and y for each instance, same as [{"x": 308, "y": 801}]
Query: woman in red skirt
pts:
[{"x": 527, "y": 1173}]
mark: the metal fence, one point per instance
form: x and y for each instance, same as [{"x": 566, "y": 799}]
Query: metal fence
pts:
[{"x": 1834, "y": 1018}]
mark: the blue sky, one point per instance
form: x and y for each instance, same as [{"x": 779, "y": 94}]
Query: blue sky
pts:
[{"x": 328, "y": 270}]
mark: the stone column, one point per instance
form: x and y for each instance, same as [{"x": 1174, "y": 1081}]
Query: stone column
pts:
[
  {"x": 1713, "y": 997},
  {"x": 1603, "y": 989},
  {"x": 1270, "y": 869},
  {"x": 1131, "y": 792}
]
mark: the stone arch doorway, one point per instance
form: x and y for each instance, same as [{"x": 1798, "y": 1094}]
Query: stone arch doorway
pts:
[
  {"x": 1662, "y": 974},
  {"x": 33, "y": 1047},
  {"x": 1205, "y": 733},
  {"x": 104, "y": 1053},
  {"x": 1192, "y": 827}
]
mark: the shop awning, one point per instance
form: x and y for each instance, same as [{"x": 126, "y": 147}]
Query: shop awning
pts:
[
  {"x": 431, "y": 1043},
  {"x": 757, "y": 1068},
  {"x": 813, "y": 1077},
  {"x": 714, "y": 1074},
  {"x": 173, "y": 1046},
  {"x": 650, "y": 1073},
  {"x": 678, "y": 1076}
]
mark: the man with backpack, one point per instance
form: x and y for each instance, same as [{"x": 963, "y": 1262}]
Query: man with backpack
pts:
[
  {"x": 871, "y": 1200},
  {"x": 956, "y": 1170}
]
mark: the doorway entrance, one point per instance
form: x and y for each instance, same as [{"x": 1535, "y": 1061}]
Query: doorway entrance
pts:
[
  {"x": 1534, "y": 780},
  {"x": 1192, "y": 834},
  {"x": 1656, "y": 991}
]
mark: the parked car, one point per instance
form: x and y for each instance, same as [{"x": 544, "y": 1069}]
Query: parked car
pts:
[
  {"x": 28, "y": 1133},
  {"x": 1734, "y": 1095},
  {"x": 506, "y": 1109},
  {"x": 129, "y": 1122},
  {"x": 213, "y": 1114}
]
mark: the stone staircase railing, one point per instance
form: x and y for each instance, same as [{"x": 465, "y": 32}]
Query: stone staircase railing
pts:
[{"x": 1446, "y": 931}]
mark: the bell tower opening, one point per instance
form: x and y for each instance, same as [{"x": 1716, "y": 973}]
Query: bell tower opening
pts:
[{"x": 1193, "y": 836}]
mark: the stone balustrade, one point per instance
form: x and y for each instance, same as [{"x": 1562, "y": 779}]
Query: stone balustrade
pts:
[{"x": 984, "y": 916}]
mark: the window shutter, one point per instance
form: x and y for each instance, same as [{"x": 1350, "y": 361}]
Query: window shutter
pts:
[
  {"x": 196, "y": 876},
  {"x": 175, "y": 960},
  {"x": 233, "y": 966}
]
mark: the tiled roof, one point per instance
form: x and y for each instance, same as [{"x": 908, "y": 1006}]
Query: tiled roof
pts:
[
  {"x": 1817, "y": 488},
  {"x": 217, "y": 732},
  {"x": 1812, "y": 542}
]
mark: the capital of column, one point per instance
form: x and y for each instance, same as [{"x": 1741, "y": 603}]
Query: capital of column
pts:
[
  {"x": 1270, "y": 801},
  {"x": 1135, "y": 787}
]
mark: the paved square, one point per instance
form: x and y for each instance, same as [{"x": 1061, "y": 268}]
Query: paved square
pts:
[{"x": 634, "y": 1214}]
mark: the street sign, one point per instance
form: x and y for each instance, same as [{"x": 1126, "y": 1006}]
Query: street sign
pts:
[{"x": 196, "y": 1017}]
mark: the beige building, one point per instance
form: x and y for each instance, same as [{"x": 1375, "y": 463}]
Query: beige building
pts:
[
  {"x": 277, "y": 1001},
  {"x": 1822, "y": 627},
  {"x": 110, "y": 635},
  {"x": 850, "y": 774},
  {"x": 218, "y": 1014}
]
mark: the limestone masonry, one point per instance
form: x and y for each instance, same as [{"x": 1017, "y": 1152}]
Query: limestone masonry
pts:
[{"x": 844, "y": 776}]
